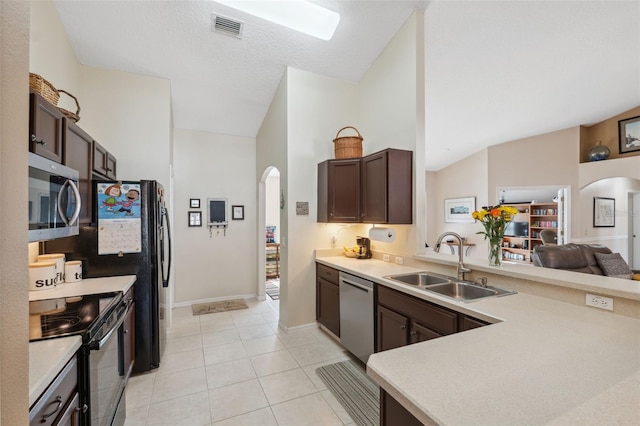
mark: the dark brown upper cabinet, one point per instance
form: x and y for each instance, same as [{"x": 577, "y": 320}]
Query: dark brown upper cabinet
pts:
[
  {"x": 45, "y": 128},
  {"x": 377, "y": 188},
  {"x": 104, "y": 164},
  {"x": 339, "y": 190},
  {"x": 78, "y": 155},
  {"x": 387, "y": 187}
]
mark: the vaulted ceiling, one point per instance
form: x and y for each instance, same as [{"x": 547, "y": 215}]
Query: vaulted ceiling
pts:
[{"x": 495, "y": 70}]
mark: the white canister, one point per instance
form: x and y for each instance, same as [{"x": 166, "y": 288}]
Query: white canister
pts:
[
  {"x": 59, "y": 259},
  {"x": 73, "y": 271},
  {"x": 42, "y": 275}
]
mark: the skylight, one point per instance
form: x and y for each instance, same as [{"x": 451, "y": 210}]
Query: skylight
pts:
[{"x": 298, "y": 15}]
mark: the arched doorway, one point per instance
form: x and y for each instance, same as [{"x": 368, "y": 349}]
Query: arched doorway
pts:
[{"x": 269, "y": 235}]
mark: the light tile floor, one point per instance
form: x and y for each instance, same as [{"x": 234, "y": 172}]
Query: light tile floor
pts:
[{"x": 238, "y": 368}]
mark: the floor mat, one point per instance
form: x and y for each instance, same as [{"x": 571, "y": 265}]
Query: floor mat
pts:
[
  {"x": 356, "y": 392},
  {"x": 222, "y": 306},
  {"x": 272, "y": 290}
]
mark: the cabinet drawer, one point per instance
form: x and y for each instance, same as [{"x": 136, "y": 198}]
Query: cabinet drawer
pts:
[
  {"x": 52, "y": 402},
  {"x": 422, "y": 312},
  {"x": 329, "y": 274}
]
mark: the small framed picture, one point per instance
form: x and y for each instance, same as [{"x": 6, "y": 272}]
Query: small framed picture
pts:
[
  {"x": 604, "y": 212},
  {"x": 194, "y": 203},
  {"x": 195, "y": 218},
  {"x": 629, "y": 134},
  {"x": 237, "y": 212},
  {"x": 459, "y": 209}
]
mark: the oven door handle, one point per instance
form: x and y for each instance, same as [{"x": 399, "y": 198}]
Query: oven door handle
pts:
[{"x": 96, "y": 346}]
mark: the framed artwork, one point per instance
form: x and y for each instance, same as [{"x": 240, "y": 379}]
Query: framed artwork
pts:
[
  {"x": 629, "y": 134},
  {"x": 194, "y": 203},
  {"x": 459, "y": 209},
  {"x": 604, "y": 212},
  {"x": 237, "y": 212},
  {"x": 195, "y": 218}
]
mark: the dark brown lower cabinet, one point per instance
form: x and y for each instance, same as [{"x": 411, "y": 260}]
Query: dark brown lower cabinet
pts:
[
  {"x": 60, "y": 403},
  {"x": 392, "y": 413},
  {"x": 403, "y": 320},
  {"x": 328, "y": 298}
]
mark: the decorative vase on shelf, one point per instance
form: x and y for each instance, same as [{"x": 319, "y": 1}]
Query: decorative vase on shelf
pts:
[
  {"x": 599, "y": 152},
  {"x": 494, "y": 219},
  {"x": 495, "y": 252}
]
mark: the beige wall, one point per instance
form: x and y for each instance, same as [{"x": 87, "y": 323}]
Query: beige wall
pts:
[
  {"x": 14, "y": 122},
  {"x": 607, "y": 133},
  {"x": 219, "y": 265}
]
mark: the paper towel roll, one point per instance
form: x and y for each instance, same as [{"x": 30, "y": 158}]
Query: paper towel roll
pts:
[{"x": 386, "y": 235}]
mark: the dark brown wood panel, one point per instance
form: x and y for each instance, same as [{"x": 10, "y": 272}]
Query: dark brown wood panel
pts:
[
  {"x": 111, "y": 166},
  {"x": 392, "y": 413},
  {"x": 329, "y": 274},
  {"x": 393, "y": 329},
  {"x": 339, "y": 191},
  {"x": 419, "y": 333},
  {"x": 78, "y": 155},
  {"x": 328, "y": 305},
  {"x": 399, "y": 186},
  {"x": 374, "y": 188},
  {"x": 45, "y": 129},
  {"x": 99, "y": 159},
  {"x": 468, "y": 323},
  {"x": 128, "y": 337}
]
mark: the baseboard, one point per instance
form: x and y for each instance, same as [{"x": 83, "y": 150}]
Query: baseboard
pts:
[
  {"x": 215, "y": 299},
  {"x": 297, "y": 327}
]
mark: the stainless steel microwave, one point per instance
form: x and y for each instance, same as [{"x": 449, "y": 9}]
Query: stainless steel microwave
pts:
[{"x": 54, "y": 199}]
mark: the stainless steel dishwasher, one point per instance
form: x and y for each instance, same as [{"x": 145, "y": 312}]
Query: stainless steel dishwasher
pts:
[{"x": 356, "y": 315}]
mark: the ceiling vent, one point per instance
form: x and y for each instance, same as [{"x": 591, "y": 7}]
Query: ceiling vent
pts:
[{"x": 224, "y": 25}]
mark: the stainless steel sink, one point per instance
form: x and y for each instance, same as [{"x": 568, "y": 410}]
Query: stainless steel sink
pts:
[
  {"x": 420, "y": 279},
  {"x": 451, "y": 287},
  {"x": 463, "y": 291}
]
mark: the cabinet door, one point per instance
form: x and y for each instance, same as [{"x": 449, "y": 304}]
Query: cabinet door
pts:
[
  {"x": 328, "y": 309},
  {"x": 111, "y": 166},
  {"x": 129, "y": 341},
  {"x": 468, "y": 323},
  {"x": 99, "y": 159},
  {"x": 45, "y": 129},
  {"x": 339, "y": 191},
  {"x": 392, "y": 413},
  {"x": 78, "y": 155},
  {"x": 393, "y": 329},
  {"x": 374, "y": 188},
  {"x": 387, "y": 187},
  {"x": 420, "y": 333}
]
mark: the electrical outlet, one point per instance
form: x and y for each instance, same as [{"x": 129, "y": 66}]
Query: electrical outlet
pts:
[
  {"x": 385, "y": 257},
  {"x": 600, "y": 302},
  {"x": 399, "y": 260}
]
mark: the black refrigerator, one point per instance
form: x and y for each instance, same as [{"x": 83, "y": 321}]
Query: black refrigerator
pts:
[{"x": 130, "y": 235}]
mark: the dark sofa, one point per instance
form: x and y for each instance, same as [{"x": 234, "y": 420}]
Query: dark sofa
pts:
[{"x": 570, "y": 257}]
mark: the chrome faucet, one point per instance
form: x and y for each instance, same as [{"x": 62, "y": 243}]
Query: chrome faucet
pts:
[{"x": 461, "y": 268}]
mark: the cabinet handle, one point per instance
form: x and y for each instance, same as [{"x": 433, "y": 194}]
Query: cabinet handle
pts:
[
  {"x": 58, "y": 403},
  {"x": 85, "y": 408},
  {"x": 33, "y": 139},
  {"x": 126, "y": 330},
  {"x": 403, "y": 327},
  {"x": 413, "y": 333},
  {"x": 109, "y": 170}
]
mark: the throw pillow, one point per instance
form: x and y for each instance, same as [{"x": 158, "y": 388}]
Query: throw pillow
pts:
[{"x": 613, "y": 265}]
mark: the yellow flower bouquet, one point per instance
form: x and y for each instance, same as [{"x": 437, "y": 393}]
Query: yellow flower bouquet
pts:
[{"x": 494, "y": 219}]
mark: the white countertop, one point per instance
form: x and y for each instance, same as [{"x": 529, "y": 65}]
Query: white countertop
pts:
[
  {"x": 48, "y": 357},
  {"x": 541, "y": 361},
  {"x": 86, "y": 286}
]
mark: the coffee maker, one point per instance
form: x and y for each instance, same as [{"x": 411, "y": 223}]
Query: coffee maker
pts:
[{"x": 364, "y": 247}]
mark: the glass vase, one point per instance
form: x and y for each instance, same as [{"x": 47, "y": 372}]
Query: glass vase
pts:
[{"x": 495, "y": 253}]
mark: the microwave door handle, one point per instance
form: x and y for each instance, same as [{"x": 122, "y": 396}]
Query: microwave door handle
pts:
[{"x": 61, "y": 209}]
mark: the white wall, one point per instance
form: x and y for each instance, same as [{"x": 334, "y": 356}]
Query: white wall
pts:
[
  {"x": 214, "y": 267},
  {"x": 14, "y": 128}
]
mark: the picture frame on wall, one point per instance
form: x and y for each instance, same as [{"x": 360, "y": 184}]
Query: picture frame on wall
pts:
[
  {"x": 195, "y": 218},
  {"x": 604, "y": 212},
  {"x": 237, "y": 212},
  {"x": 629, "y": 134},
  {"x": 459, "y": 209},
  {"x": 194, "y": 203}
]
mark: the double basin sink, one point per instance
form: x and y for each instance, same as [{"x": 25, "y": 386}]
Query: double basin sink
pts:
[{"x": 443, "y": 285}]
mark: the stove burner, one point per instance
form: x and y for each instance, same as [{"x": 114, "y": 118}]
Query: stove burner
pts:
[{"x": 58, "y": 324}]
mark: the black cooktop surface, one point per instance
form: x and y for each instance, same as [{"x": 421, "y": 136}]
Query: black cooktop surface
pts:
[{"x": 67, "y": 316}]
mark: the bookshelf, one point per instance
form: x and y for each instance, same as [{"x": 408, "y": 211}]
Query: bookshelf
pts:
[{"x": 537, "y": 217}]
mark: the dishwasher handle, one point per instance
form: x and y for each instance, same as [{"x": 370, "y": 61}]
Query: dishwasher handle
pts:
[{"x": 356, "y": 285}]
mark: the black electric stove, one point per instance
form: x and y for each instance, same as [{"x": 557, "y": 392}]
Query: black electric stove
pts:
[{"x": 87, "y": 316}]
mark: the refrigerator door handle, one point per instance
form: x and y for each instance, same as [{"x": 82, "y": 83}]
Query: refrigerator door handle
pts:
[{"x": 165, "y": 280}]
